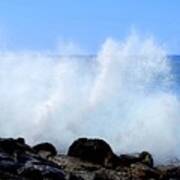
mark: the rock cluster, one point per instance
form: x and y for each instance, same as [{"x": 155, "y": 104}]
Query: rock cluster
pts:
[
  {"x": 20, "y": 161},
  {"x": 87, "y": 159}
]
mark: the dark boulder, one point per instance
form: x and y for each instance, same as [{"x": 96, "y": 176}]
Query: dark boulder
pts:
[
  {"x": 20, "y": 140},
  {"x": 173, "y": 172},
  {"x": 4, "y": 175},
  {"x": 142, "y": 171},
  {"x": 128, "y": 159},
  {"x": 12, "y": 146},
  {"x": 18, "y": 160},
  {"x": 45, "y": 150},
  {"x": 91, "y": 150},
  {"x": 40, "y": 170},
  {"x": 32, "y": 173},
  {"x": 146, "y": 158},
  {"x": 107, "y": 174},
  {"x": 74, "y": 177}
]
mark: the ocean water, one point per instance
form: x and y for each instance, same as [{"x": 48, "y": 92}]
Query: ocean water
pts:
[
  {"x": 175, "y": 64},
  {"x": 128, "y": 94}
]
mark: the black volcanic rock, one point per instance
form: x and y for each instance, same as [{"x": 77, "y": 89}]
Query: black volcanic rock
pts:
[
  {"x": 13, "y": 146},
  {"x": 74, "y": 177},
  {"x": 87, "y": 159},
  {"x": 20, "y": 161},
  {"x": 146, "y": 158},
  {"x": 41, "y": 171},
  {"x": 20, "y": 140},
  {"x": 91, "y": 150},
  {"x": 45, "y": 149},
  {"x": 170, "y": 171},
  {"x": 128, "y": 159},
  {"x": 142, "y": 171}
]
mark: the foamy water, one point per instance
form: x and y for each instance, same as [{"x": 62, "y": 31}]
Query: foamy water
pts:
[{"x": 123, "y": 95}]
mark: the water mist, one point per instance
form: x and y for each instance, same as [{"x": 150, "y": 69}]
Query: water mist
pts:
[{"x": 123, "y": 95}]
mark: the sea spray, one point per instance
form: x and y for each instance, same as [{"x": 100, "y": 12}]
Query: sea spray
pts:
[{"x": 123, "y": 95}]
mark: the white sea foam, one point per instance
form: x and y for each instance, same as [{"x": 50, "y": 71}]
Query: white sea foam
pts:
[{"x": 122, "y": 95}]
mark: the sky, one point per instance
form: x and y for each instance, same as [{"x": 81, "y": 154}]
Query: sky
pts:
[{"x": 40, "y": 25}]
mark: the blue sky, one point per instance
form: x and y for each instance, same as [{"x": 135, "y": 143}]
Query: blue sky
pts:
[{"x": 40, "y": 24}]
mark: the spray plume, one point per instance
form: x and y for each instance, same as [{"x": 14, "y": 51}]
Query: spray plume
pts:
[{"x": 123, "y": 95}]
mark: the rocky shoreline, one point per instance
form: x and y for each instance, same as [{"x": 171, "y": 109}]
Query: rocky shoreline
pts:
[{"x": 87, "y": 159}]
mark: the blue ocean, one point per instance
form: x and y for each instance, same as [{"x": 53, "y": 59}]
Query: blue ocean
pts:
[{"x": 175, "y": 63}]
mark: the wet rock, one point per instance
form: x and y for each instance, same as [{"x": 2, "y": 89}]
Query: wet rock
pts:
[
  {"x": 32, "y": 173},
  {"x": 45, "y": 150},
  {"x": 107, "y": 174},
  {"x": 12, "y": 146},
  {"x": 8, "y": 163},
  {"x": 20, "y": 140},
  {"x": 142, "y": 171},
  {"x": 128, "y": 159},
  {"x": 18, "y": 160},
  {"x": 146, "y": 158},
  {"x": 74, "y": 177},
  {"x": 9, "y": 176},
  {"x": 40, "y": 170},
  {"x": 88, "y": 159},
  {"x": 91, "y": 150},
  {"x": 170, "y": 172}
]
